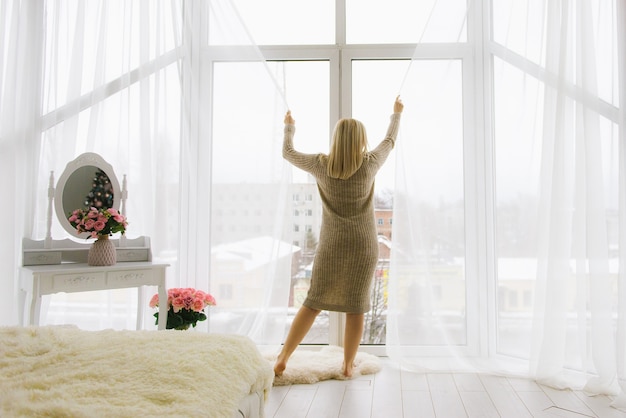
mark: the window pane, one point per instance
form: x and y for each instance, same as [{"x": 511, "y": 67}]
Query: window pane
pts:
[
  {"x": 518, "y": 153},
  {"x": 286, "y": 22},
  {"x": 519, "y": 109},
  {"x": 247, "y": 180},
  {"x": 404, "y": 21},
  {"x": 106, "y": 28},
  {"x": 521, "y": 26},
  {"x": 431, "y": 152}
]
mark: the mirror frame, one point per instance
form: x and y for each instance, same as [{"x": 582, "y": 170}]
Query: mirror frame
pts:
[{"x": 86, "y": 159}]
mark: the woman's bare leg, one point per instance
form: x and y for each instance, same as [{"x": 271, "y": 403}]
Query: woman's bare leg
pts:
[
  {"x": 301, "y": 325},
  {"x": 352, "y": 339}
]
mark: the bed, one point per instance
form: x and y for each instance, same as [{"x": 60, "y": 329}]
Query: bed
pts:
[{"x": 64, "y": 371}]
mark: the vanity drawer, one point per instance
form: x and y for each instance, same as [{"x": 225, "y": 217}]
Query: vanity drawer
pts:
[
  {"x": 133, "y": 254},
  {"x": 129, "y": 278},
  {"x": 34, "y": 258},
  {"x": 74, "y": 282}
]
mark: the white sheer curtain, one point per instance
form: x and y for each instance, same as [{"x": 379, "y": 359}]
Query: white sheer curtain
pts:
[
  {"x": 135, "y": 82},
  {"x": 549, "y": 291},
  {"x": 20, "y": 61},
  {"x": 576, "y": 311},
  {"x": 238, "y": 243},
  {"x": 621, "y": 310},
  {"x": 507, "y": 240}
]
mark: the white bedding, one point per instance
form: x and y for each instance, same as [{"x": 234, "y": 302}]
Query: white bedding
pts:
[
  {"x": 252, "y": 405},
  {"x": 64, "y": 371}
]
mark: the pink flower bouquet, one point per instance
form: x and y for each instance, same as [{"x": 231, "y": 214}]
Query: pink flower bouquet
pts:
[
  {"x": 98, "y": 222},
  {"x": 185, "y": 307}
]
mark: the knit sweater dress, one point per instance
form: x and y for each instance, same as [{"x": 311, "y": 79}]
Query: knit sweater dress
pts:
[{"x": 347, "y": 252}]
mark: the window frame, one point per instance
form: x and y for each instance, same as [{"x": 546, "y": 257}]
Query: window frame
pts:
[{"x": 477, "y": 185}]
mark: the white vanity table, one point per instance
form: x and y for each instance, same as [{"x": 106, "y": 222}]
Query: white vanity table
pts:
[
  {"x": 40, "y": 280},
  {"x": 52, "y": 266}
]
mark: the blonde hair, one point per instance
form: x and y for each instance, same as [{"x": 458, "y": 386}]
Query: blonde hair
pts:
[{"x": 347, "y": 149}]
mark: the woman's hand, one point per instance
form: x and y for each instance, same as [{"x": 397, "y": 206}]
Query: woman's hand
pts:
[
  {"x": 288, "y": 119},
  {"x": 398, "y": 106}
]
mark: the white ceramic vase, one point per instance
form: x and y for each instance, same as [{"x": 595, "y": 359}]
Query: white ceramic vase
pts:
[{"x": 102, "y": 252}]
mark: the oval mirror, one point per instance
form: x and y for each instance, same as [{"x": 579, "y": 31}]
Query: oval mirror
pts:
[{"x": 87, "y": 181}]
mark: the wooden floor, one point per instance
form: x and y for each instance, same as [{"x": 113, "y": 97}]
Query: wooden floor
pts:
[{"x": 395, "y": 393}]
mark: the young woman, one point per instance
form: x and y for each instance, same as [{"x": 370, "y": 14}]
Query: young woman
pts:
[{"x": 347, "y": 251}]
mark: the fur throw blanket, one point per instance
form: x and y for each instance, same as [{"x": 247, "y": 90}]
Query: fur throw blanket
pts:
[{"x": 67, "y": 372}]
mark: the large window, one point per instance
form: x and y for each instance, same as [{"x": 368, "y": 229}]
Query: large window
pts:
[
  {"x": 486, "y": 101},
  {"x": 325, "y": 78}
]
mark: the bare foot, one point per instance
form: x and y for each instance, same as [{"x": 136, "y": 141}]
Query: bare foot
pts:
[
  {"x": 347, "y": 371},
  {"x": 279, "y": 367}
]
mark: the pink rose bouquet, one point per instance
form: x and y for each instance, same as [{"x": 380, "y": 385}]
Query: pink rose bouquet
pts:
[
  {"x": 105, "y": 221},
  {"x": 185, "y": 307}
]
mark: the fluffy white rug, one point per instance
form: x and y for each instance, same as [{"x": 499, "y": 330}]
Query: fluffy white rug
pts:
[
  {"x": 306, "y": 367},
  {"x": 67, "y": 372}
]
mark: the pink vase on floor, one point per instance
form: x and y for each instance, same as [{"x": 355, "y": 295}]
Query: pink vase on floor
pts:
[{"x": 102, "y": 252}]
